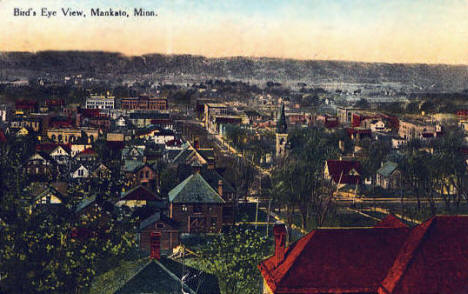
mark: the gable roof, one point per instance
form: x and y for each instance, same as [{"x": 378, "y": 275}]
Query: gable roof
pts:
[
  {"x": 332, "y": 260},
  {"x": 139, "y": 193},
  {"x": 165, "y": 276},
  {"x": 433, "y": 259},
  {"x": 387, "y": 168},
  {"x": 339, "y": 170},
  {"x": 388, "y": 259},
  {"x": 194, "y": 189},
  {"x": 212, "y": 176},
  {"x": 158, "y": 216}
]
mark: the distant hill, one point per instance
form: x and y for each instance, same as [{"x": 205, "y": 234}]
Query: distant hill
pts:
[{"x": 437, "y": 77}]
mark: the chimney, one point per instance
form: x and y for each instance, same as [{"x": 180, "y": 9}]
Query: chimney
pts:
[
  {"x": 280, "y": 234},
  {"x": 196, "y": 143},
  {"x": 155, "y": 245},
  {"x": 220, "y": 188}
]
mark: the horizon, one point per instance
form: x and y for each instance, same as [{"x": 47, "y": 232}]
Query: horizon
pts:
[
  {"x": 233, "y": 57},
  {"x": 396, "y": 32}
]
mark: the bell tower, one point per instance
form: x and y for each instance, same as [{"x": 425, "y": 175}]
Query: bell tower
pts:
[{"x": 281, "y": 133}]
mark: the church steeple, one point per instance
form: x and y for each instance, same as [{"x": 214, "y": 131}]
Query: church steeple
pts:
[
  {"x": 281, "y": 134},
  {"x": 281, "y": 126}
]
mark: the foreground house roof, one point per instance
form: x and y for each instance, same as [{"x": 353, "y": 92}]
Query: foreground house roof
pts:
[
  {"x": 389, "y": 258},
  {"x": 166, "y": 276}
]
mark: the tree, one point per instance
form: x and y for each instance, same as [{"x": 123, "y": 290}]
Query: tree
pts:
[
  {"x": 297, "y": 181},
  {"x": 46, "y": 249},
  {"x": 233, "y": 257}
]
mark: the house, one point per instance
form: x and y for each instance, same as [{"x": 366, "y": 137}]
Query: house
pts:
[
  {"x": 358, "y": 134},
  {"x": 191, "y": 154},
  {"x": 196, "y": 206},
  {"x": 140, "y": 173},
  {"x": 79, "y": 172},
  {"x": 163, "y": 225},
  {"x": 46, "y": 194},
  {"x": 389, "y": 176},
  {"x": 101, "y": 171},
  {"x": 218, "y": 183},
  {"x": 343, "y": 172},
  {"x": 389, "y": 258},
  {"x": 135, "y": 153},
  {"x": 61, "y": 154},
  {"x": 87, "y": 156},
  {"x": 137, "y": 197},
  {"x": 158, "y": 274},
  {"x": 411, "y": 129},
  {"x": 41, "y": 164},
  {"x": 143, "y": 119}
]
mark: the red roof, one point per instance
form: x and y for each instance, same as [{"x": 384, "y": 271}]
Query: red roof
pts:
[
  {"x": 388, "y": 259},
  {"x": 49, "y": 147},
  {"x": 390, "y": 221},
  {"x": 61, "y": 124},
  {"x": 434, "y": 259},
  {"x": 139, "y": 193},
  {"x": 335, "y": 261},
  {"x": 339, "y": 171},
  {"x": 87, "y": 151}
]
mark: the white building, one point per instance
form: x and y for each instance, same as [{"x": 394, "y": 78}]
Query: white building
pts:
[{"x": 100, "y": 102}]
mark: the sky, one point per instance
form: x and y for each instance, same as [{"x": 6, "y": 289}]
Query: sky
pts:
[{"x": 395, "y": 31}]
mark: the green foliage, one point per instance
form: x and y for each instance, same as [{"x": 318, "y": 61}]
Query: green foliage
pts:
[
  {"x": 297, "y": 182},
  {"x": 40, "y": 250},
  {"x": 168, "y": 180},
  {"x": 233, "y": 257},
  {"x": 437, "y": 168}
]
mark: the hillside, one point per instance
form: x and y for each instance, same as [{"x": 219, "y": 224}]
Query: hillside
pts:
[{"x": 438, "y": 77}]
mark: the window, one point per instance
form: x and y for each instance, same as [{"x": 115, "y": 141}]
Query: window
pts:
[{"x": 184, "y": 208}]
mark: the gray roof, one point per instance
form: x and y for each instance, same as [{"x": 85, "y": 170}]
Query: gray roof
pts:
[
  {"x": 194, "y": 189},
  {"x": 85, "y": 203},
  {"x": 148, "y": 221},
  {"x": 387, "y": 169},
  {"x": 132, "y": 165}
]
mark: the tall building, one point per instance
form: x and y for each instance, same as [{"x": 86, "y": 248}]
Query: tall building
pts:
[
  {"x": 100, "y": 102},
  {"x": 281, "y": 133},
  {"x": 144, "y": 102}
]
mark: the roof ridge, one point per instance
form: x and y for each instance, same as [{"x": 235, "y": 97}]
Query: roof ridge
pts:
[
  {"x": 406, "y": 254},
  {"x": 282, "y": 269}
]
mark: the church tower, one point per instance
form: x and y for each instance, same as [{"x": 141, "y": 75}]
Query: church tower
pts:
[{"x": 281, "y": 134}]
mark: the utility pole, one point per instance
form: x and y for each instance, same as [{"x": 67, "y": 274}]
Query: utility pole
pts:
[{"x": 268, "y": 216}]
